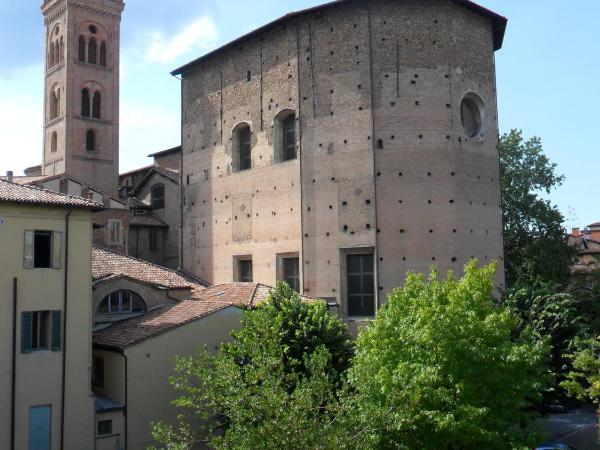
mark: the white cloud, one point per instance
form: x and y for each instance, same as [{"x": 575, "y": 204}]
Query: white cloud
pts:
[
  {"x": 21, "y": 117},
  {"x": 201, "y": 34}
]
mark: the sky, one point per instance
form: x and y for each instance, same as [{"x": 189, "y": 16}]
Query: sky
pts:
[{"x": 548, "y": 79}]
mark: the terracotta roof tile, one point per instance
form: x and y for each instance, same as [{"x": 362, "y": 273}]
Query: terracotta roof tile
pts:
[
  {"x": 169, "y": 173},
  {"x": 248, "y": 294},
  {"x": 16, "y": 193},
  {"x": 108, "y": 264},
  {"x": 133, "y": 331}
]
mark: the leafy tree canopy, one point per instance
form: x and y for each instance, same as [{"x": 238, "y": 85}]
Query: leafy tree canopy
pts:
[
  {"x": 441, "y": 368},
  {"x": 275, "y": 386},
  {"x": 534, "y": 238}
]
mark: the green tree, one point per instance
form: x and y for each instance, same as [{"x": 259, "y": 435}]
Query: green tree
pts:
[
  {"x": 275, "y": 386},
  {"x": 551, "y": 316},
  {"x": 441, "y": 367},
  {"x": 583, "y": 381},
  {"x": 534, "y": 239}
]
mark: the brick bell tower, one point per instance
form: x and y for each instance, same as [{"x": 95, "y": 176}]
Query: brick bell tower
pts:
[{"x": 81, "y": 114}]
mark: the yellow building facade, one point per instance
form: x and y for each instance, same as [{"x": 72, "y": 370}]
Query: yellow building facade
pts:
[{"x": 45, "y": 320}]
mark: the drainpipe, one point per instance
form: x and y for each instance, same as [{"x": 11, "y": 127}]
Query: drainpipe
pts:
[
  {"x": 14, "y": 367},
  {"x": 64, "y": 334},
  {"x": 126, "y": 400}
]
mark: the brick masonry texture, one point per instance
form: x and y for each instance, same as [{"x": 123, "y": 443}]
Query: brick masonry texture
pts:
[{"x": 384, "y": 163}]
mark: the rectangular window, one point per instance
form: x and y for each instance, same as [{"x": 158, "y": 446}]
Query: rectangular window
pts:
[
  {"x": 157, "y": 196},
  {"x": 291, "y": 272},
  {"x": 245, "y": 270},
  {"x": 114, "y": 227},
  {"x": 104, "y": 427},
  {"x": 41, "y": 330},
  {"x": 42, "y": 250},
  {"x": 360, "y": 285},
  {"x": 98, "y": 372},
  {"x": 152, "y": 239},
  {"x": 245, "y": 137},
  {"x": 288, "y": 126}
]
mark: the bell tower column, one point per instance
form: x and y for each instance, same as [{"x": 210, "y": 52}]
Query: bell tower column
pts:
[{"x": 81, "y": 118}]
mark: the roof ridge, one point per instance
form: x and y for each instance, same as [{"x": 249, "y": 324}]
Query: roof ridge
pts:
[
  {"x": 90, "y": 203},
  {"x": 135, "y": 259}
]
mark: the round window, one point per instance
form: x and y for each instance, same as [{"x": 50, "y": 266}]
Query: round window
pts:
[
  {"x": 93, "y": 29},
  {"x": 472, "y": 113}
]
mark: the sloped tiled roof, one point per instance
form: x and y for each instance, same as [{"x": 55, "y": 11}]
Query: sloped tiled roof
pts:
[
  {"x": 165, "y": 152},
  {"x": 133, "y": 331},
  {"x": 169, "y": 173},
  {"x": 15, "y": 193},
  {"x": 146, "y": 220},
  {"x": 26, "y": 180},
  {"x": 248, "y": 294},
  {"x": 108, "y": 264}
]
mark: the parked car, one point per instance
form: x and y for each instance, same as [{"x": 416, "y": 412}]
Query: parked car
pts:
[
  {"x": 556, "y": 407},
  {"x": 554, "y": 446}
]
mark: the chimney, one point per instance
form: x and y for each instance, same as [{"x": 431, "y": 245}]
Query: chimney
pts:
[{"x": 9, "y": 176}]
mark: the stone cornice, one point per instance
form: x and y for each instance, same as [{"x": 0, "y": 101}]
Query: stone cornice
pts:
[
  {"x": 99, "y": 7},
  {"x": 54, "y": 12}
]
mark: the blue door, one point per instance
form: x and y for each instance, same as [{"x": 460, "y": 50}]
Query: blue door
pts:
[{"x": 39, "y": 427}]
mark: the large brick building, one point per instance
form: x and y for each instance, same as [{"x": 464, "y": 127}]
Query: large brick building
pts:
[{"x": 341, "y": 146}]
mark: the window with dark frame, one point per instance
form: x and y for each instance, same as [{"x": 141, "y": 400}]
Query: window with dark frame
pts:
[
  {"x": 42, "y": 249},
  {"x": 288, "y": 128},
  {"x": 291, "y": 272},
  {"x": 245, "y": 270},
  {"x": 104, "y": 427},
  {"x": 245, "y": 145},
  {"x": 41, "y": 330},
  {"x": 360, "y": 285},
  {"x": 121, "y": 302},
  {"x": 157, "y": 194}
]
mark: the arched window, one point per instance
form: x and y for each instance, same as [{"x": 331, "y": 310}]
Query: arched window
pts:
[
  {"x": 121, "y": 302},
  {"x": 90, "y": 141},
  {"x": 242, "y": 148},
  {"x": 54, "y": 142},
  {"x": 97, "y": 105},
  {"x": 92, "y": 51},
  {"x": 54, "y": 104},
  {"x": 51, "y": 55},
  {"x": 157, "y": 194},
  {"x": 85, "y": 102},
  {"x": 56, "y": 52},
  {"x": 81, "y": 49},
  {"x": 103, "y": 54},
  {"x": 61, "y": 55}
]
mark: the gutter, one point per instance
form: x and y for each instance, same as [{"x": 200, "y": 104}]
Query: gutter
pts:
[
  {"x": 64, "y": 333},
  {"x": 14, "y": 367}
]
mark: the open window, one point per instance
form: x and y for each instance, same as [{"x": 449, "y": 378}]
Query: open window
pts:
[
  {"x": 81, "y": 49},
  {"x": 242, "y": 147},
  {"x": 284, "y": 136},
  {"x": 54, "y": 142},
  {"x": 42, "y": 250},
  {"x": 93, "y": 51}
]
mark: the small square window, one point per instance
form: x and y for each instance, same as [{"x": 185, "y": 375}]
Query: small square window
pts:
[{"x": 105, "y": 427}]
